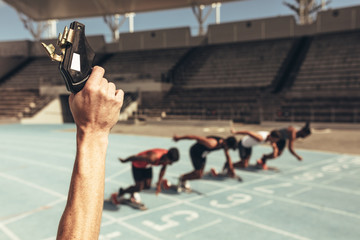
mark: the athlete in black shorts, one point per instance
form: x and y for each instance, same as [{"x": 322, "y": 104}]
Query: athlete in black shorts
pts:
[{"x": 199, "y": 151}]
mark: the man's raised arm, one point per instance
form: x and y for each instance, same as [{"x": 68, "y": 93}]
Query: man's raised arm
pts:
[{"x": 95, "y": 110}]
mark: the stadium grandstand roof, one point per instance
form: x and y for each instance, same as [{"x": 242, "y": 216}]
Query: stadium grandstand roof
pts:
[{"x": 40, "y": 10}]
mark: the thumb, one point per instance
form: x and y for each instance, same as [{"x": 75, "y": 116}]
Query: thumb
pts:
[{"x": 71, "y": 98}]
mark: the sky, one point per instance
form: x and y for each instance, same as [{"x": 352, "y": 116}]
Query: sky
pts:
[{"x": 12, "y": 29}]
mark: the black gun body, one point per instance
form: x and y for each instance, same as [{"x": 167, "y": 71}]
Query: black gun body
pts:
[{"x": 78, "y": 59}]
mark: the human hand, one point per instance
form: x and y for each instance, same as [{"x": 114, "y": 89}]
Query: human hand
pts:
[
  {"x": 122, "y": 160},
  {"x": 176, "y": 138},
  {"x": 232, "y": 130},
  {"x": 158, "y": 189},
  {"x": 96, "y": 107},
  {"x": 299, "y": 158},
  {"x": 231, "y": 172}
]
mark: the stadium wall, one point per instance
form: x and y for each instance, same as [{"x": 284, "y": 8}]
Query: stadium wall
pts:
[
  {"x": 153, "y": 39},
  {"x": 34, "y": 49},
  {"x": 334, "y": 20},
  {"x": 342, "y": 19},
  {"x": 15, "y": 48}
]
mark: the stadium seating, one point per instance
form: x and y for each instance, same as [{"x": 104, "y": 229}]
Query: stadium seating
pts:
[
  {"x": 331, "y": 67},
  {"x": 145, "y": 65},
  {"x": 249, "y": 64},
  {"x": 223, "y": 81},
  {"x": 314, "y": 78},
  {"x": 213, "y": 103},
  {"x": 32, "y": 74},
  {"x": 327, "y": 86},
  {"x": 18, "y": 103},
  {"x": 20, "y": 86}
]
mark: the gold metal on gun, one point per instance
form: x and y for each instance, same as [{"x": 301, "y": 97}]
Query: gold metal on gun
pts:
[
  {"x": 70, "y": 36},
  {"x": 59, "y": 39},
  {"x": 66, "y": 37},
  {"x": 50, "y": 50},
  {"x": 62, "y": 37}
]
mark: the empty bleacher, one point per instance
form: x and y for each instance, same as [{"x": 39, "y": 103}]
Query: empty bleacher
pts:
[
  {"x": 223, "y": 81},
  {"x": 18, "y": 103},
  {"x": 145, "y": 65},
  {"x": 320, "y": 109},
  {"x": 20, "y": 96},
  {"x": 326, "y": 89},
  {"x": 33, "y": 73},
  {"x": 249, "y": 64},
  {"x": 331, "y": 67}
]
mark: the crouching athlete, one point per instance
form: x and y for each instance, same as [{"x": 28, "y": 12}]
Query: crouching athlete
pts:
[{"x": 142, "y": 170}]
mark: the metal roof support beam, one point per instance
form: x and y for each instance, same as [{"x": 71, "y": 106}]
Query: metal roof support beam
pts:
[
  {"x": 217, "y": 9},
  {"x": 51, "y": 31},
  {"x": 201, "y": 17},
  {"x": 114, "y": 22},
  {"x": 131, "y": 21},
  {"x": 37, "y": 29}
]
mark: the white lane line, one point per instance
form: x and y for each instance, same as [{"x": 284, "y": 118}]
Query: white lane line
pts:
[
  {"x": 8, "y": 233},
  {"x": 124, "y": 170},
  {"x": 321, "y": 162},
  {"x": 129, "y": 226},
  {"x": 332, "y": 180},
  {"x": 248, "y": 222},
  {"x": 33, "y": 185},
  {"x": 257, "y": 207},
  {"x": 198, "y": 228},
  {"x": 315, "y": 185},
  {"x": 354, "y": 172},
  {"x": 28, "y": 213},
  {"x": 305, "y": 204},
  {"x": 292, "y": 194},
  {"x": 224, "y": 187},
  {"x": 173, "y": 204},
  {"x": 20, "y": 159},
  {"x": 40, "y": 150},
  {"x": 269, "y": 189}
]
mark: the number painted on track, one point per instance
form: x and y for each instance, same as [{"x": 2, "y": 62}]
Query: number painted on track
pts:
[
  {"x": 234, "y": 200},
  {"x": 309, "y": 176},
  {"x": 169, "y": 222},
  {"x": 269, "y": 188}
]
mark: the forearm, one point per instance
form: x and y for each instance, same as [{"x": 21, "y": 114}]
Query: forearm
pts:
[
  {"x": 254, "y": 135},
  {"x": 241, "y": 132},
  {"x": 82, "y": 216},
  {"x": 187, "y": 137},
  {"x": 294, "y": 153},
  {"x": 161, "y": 174},
  {"x": 228, "y": 160}
]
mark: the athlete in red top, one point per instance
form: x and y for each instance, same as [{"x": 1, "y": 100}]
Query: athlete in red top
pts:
[{"x": 142, "y": 169}]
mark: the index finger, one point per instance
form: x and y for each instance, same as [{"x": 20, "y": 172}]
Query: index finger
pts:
[{"x": 96, "y": 76}]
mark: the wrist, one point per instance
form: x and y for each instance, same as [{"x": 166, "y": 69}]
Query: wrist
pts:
[
  {"x": 83, "y": 132},
  {"x": 91, "y": 151},
  {"x": 95, "y": 137}
]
